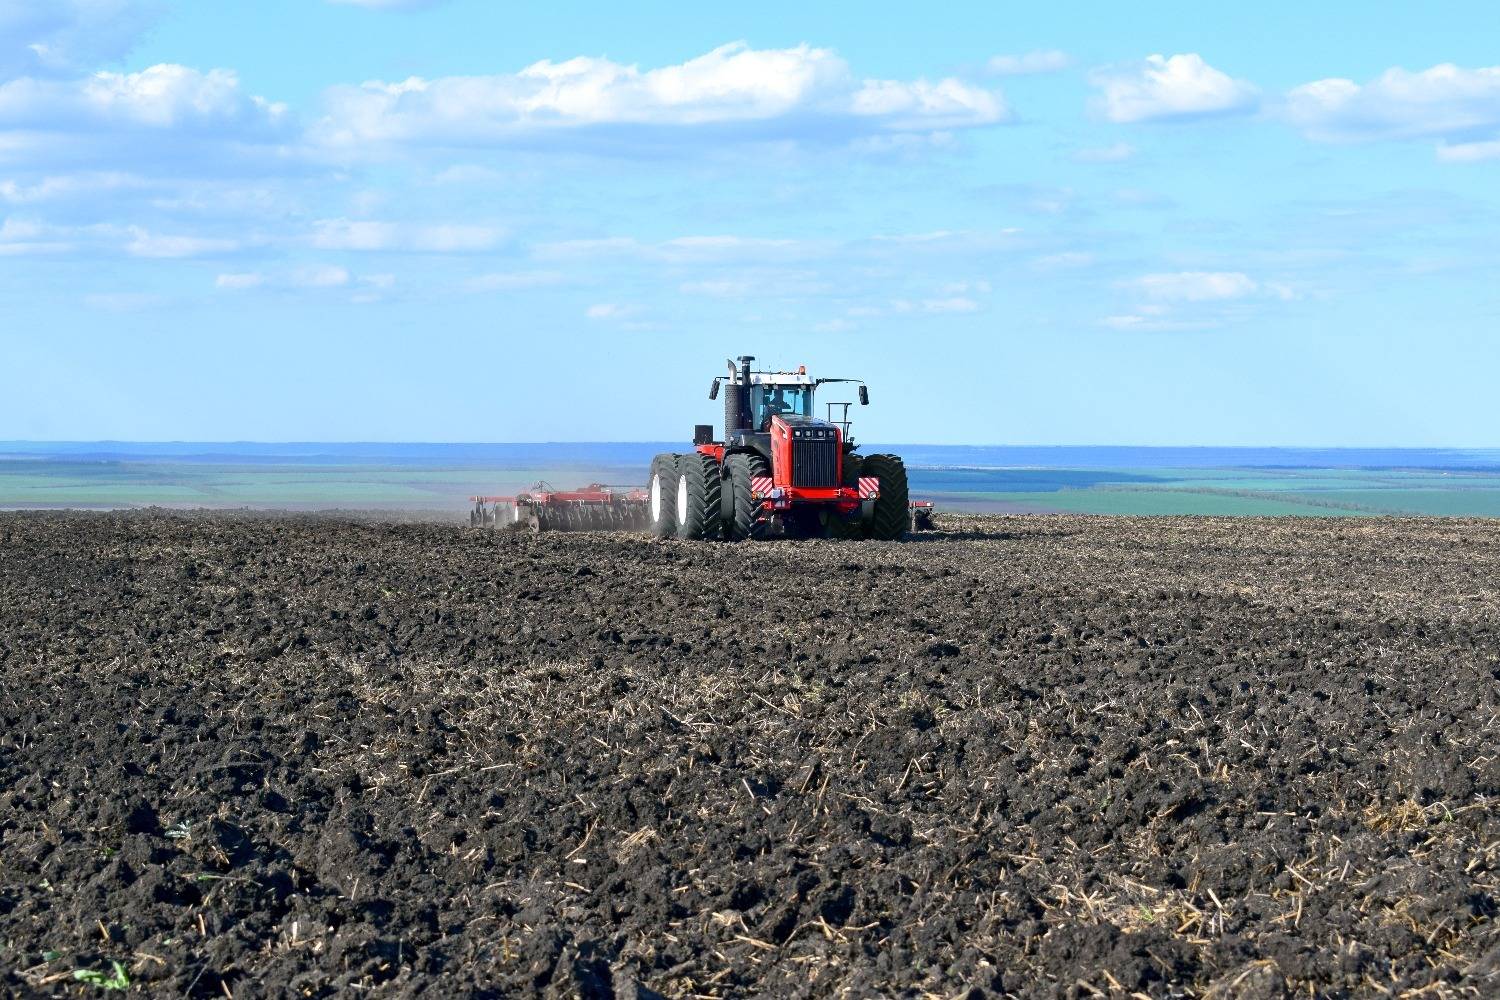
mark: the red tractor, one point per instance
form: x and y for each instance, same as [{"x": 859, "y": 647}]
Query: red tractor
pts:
[{"x": 778, "y": 470}]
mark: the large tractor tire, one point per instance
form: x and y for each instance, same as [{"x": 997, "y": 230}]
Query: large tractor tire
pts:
[
  {"x": 744, "y": 525},
  {"x": 852, "y": 528},
  {"x": 661, "y": 496},
  {"x": 698, "y": 497},
  {"x": 892, "y": 515}
]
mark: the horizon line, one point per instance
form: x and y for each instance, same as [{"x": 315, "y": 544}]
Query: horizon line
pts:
[{"x": 40, "y": 442}]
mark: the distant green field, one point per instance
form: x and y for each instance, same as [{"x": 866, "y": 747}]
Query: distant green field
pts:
[
  {"x": 1213, "y": 491},
  {"x": 129, "y": 484},
  {"x": 1225, "y": 492}
]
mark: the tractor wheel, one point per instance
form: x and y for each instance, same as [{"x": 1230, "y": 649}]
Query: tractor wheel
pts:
[
  {"x": 744, "y": 466},
  {"x": 892, "y": 516},
  {"x": 698, "y": 497},
  {"x": 854, "y": 527},
  {"x": 661, "y": 496}
]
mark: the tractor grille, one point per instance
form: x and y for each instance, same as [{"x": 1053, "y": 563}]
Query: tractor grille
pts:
[{"x": 815, "y": 463}]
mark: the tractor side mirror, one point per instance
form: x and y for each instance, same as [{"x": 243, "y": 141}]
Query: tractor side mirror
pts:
[
  {"x": 864, "y": 395},
  {"x": 713, "y": 392}
]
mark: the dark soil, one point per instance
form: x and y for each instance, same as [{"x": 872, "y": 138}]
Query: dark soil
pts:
[{"x": 1044, "y": 756}]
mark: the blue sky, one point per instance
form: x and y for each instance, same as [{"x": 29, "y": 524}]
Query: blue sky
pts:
[{"x": 470, "y": 221}]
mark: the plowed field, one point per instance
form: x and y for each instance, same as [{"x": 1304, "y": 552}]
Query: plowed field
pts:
[{"x": 1042, "y": 756}]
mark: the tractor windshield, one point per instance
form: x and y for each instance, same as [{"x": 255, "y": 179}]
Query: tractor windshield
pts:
[{"x": 768, "y": 400}]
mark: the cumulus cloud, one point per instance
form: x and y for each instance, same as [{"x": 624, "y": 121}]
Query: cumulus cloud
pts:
[
  {"x": 1170, "y": 88},
  {"x": 63, "y": 186},
  {"x": 160, "y": 97},
  {"x": 148, "y": 244},
  {"x": 1193, "y": 300},
  {"x": 682, "y": 249},
  {"x": 239, "y": 282},
  {"x": 315, "y": 277},
  {"x": 1469, "y": 152},
  {"x": 320, "y": 276},
  {"x": 20, "y": 237},
  {"x": 363, "y": 234},
  {"x": 514, "y": 281},
  {"x": 1445, "y": 101},
  {"x": 1196, "y": 286},
  {"x": 718, "y": 288},
  {"x": 46, "y": 37},
  {"x": 166, "y": 119},
  {"x": 122, "y": 302},
  {"x": 1042, "y": 61},
  {"x": 609, "y": 311},
  {"x": 1065, "y": 260},
  {"x": 1144, "y": 321},
  {"x": 735, "y": 91}
]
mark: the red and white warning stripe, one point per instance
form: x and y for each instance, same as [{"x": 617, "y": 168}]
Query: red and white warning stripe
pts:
[
  {"x": 760, "y": 485},
  {"x": 869, "y": 487}
]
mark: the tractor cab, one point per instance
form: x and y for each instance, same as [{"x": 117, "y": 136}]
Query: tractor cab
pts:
[{"x": 779, "y": 394}]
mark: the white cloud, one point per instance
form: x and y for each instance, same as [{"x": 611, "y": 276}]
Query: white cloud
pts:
[
  {"x": 167, "y": 120},
  {"x": 321, "y": 277},
  {"x": 41, "y": 37},
  {"x": 21, "y": 237},
  {"x": 1157, "y": 323},
  {"x": 1065, "y": 260},
  {"x": 737, "y": 91},
  {"x": 147, "y": 244},
  {"x": 609, "y": 310},
  {"x": 1042, "y": 61},
  {"x": 121, "y": 301},
  {"x": 682, "y": 249},
  {"x": 314, "y": 276},
  {"x": 513, "y": 281},
  {"x": 67, "y": 186},
  {"x": 363, "y": 234},
  {"x": 1196, "y": 286},
  {"x": 1193, "y": 300},
  {"x": 1165, "y": 88},
  {"x": 719, "y": 288},
  {"x": 1117, "y": 152},
  {"x": 1444, "y": 101},
  {"x": 159, "y": 97},
  {"x": 978, "y": 285},
  {"x": 935, "y": 236},
  {"x": 1469, "y": 152}
]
